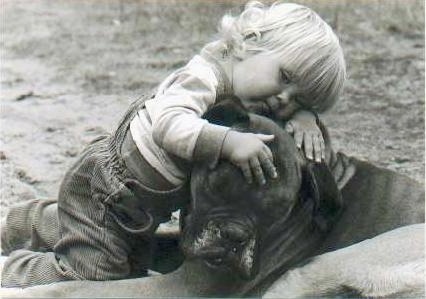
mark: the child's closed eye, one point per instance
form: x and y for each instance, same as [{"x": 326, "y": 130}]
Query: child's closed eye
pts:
[{"x": 285, "y": 77}]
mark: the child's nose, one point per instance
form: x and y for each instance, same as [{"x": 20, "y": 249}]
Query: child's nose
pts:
[{"x": 284, "y": 98}]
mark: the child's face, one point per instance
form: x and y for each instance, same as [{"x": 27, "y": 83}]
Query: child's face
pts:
[{"x": 263, "y": 84}]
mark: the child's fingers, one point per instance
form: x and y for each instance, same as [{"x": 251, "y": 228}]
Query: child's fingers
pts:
[
  {"x": 268, "y": 164},
  {"x": 257, "y": 170},
  {"x": 289, "y": 128},
  {"x": 265, "y": 138},
  {"x": 322, "y": 143},
  {"x": 245, "y": 167},
  {"x": 267, "y": 151},
  {"x": 307, "y": 143},
  {"x": 298, "y": 139},
  {"x": 317, "y": 148}
]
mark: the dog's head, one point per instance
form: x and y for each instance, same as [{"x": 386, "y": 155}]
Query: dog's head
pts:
[{"x": 228, "y": 216}]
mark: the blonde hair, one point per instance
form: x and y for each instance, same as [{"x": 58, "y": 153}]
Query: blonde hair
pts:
[{"x": 297, "y": 34}]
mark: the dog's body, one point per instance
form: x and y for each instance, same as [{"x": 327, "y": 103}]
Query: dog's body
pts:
[
  {"x": 192, "y": 279},
  {"x": 374, "y": 201},
  {"x": 390, "y": 265},
  {"x": 378, "y": 204}
]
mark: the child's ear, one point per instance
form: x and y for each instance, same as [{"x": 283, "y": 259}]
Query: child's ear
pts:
[
  {"x": 320, "y": 186},
  {"x": 227, "y": 112}
]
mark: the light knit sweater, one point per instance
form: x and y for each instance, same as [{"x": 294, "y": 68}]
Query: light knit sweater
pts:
[{"x": 171, "y": 126}]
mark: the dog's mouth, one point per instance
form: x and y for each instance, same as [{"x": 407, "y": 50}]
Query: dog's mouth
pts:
[
  {"x": 213, "y": 256},
  {"x": 214, "y": 262},
  {"x": 237, "y": 260}
]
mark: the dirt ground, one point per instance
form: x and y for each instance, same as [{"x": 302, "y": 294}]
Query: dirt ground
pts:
[{"x": 70, "y": 68}]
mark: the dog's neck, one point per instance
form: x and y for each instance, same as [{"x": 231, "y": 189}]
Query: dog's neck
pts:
[{"x": 286, "y": 244}]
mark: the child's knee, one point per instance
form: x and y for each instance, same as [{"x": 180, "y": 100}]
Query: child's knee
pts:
[
  {"x": 16, "y": 228},
  {"x": 6, "y": 244},
  {"x": 31, "y": 224}
]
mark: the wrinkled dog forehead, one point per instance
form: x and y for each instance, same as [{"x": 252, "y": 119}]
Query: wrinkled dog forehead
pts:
[{"x": 226, "y": 186}]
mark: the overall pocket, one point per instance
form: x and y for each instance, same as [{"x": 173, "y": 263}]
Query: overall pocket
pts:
[
  {"x": 127, "y": 210},
  {"x": 139, "y": 210}
]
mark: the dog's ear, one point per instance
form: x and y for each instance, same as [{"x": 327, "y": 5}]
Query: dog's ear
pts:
[
  {"x": 227, "y": 112},
  {"x": 320, "y": 186}
]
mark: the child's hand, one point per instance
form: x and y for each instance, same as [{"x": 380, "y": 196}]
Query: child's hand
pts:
[
  {"x": 304, "y": 128},
  {"x": 249, "y": 152}
]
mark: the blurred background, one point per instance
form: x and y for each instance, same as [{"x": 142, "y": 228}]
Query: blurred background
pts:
[{"x": 69, "y": 69}]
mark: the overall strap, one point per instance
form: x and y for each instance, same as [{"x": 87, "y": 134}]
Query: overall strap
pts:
[{"x": 116, "y": 140}]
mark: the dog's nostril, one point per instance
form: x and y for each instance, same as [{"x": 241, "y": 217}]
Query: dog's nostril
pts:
[{"x": 218, "y": 260}]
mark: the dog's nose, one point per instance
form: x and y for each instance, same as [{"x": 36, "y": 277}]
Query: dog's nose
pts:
[{"x": 235, "y": 234}]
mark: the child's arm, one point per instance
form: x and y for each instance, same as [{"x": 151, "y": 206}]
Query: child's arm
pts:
[
  {"x": 303, "y": 126},
  {"x": 177, "y": 128}
]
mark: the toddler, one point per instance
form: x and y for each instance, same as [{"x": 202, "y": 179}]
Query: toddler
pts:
[{"x": 283, "y": 61}]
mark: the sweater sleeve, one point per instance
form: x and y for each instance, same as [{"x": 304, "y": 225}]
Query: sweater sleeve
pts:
[{"x": 176, "y": 112}]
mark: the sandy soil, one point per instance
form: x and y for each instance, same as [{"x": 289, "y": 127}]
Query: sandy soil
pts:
[{"x": 70, "y": 68}]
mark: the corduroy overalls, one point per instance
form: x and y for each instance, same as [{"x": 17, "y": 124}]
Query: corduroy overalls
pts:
[{"x": 104, "y": 213}]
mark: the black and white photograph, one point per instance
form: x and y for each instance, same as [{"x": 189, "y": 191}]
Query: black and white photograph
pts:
[{"x": 216, "y": 149}]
